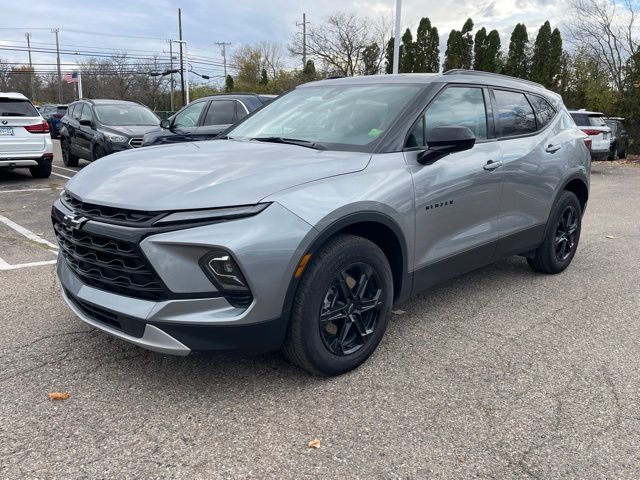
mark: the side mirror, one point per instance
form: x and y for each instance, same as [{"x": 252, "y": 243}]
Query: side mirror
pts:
[
  {"x": 166, "y": 124},
  {"x": 441, "y": 141},
  {"x": 86, "y": 122}
]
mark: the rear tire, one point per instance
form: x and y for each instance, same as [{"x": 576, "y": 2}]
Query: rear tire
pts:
[
  {"x": 341, "y": 308},
  {"x": 561, "y": 238},
  {"x": 622, "y": 155},
  {"x": 614, "y": 154},
  {"x": 43, "y": 170},
  {"x": 68, "y": 158}
]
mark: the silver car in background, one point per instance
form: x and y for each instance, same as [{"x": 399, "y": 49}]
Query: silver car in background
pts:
[
  {"x": 315, "y": 215},
  {"x": 24, "y": 136}
]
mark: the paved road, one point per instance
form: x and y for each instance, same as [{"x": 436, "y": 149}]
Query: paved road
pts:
[{"x": 501, "y": 373}]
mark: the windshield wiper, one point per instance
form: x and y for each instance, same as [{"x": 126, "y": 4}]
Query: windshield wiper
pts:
[{"x": 291, "y": 141}]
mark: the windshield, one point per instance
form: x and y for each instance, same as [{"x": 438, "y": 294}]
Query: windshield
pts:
[
  {"x": 340, "y": 117},
  {"x": 125, "y": 115}
]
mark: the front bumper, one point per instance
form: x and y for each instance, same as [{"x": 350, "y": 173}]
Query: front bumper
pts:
[{"x": 195, "y": 317}]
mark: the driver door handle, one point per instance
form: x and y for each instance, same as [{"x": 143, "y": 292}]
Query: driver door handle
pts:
[{"x": 491, "y": 165}]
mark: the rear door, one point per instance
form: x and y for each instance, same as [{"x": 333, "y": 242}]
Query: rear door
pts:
[
  {"x": 15, "y": 115},
  {"x": 219, "y": 116},
  {"x": 534, "y": 146},
  {"x": 85, "y": 133}
]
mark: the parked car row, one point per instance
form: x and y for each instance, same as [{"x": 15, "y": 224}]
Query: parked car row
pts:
[{"x": 609, "y": 139}]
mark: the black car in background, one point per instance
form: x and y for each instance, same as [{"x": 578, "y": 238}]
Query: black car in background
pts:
[
  {"x": 205, "y": 118},
  {"x": 95, "y": 128},
  {"x": 619, "y": 138},
  {"x": 53, "y": 114}
]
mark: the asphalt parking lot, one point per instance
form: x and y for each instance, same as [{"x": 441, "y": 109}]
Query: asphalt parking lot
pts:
[{"x": 501, "y": 373}]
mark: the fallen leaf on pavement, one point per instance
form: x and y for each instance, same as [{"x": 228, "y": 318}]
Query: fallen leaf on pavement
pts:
[
  {"x": 59, "y": 395},
  {"x": 398, "y": 312},
  {"x": 315, "y": 443},
  {"x": 610, "y": 237}
]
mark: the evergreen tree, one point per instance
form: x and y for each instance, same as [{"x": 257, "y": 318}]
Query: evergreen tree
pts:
[
  {"x": 480, "y": 47},
  {"x": 493, "y": 59},
  {"x": 540, "y": 62},
  {"x": 406, "y": 53},
  {"x": 309, "y": 69},
  {"x": 263, "y": 77},
  {"x": 426, "y": 51},
  {"x": 467, "y": 44},
  {"x": 388, "y": 56},
  {"x": 555, "y": 57},
  {"x": 370, "y": 56},
  {"x": 228, "y": 83},
  {"x": 518, "y": 57}
]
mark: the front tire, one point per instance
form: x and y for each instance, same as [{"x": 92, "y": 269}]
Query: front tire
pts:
[
  {"x": 342, "y": 307},
  {"x": 98, "y": 152},
  {"x": 562, "y": 235}
]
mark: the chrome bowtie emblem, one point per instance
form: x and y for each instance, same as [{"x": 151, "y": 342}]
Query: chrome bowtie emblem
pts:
[{"x": 74, "y": 222}]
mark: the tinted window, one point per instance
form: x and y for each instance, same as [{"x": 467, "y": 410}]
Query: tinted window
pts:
[
  {"x": 62, "y": 109},
  {"x": 240, "y": 111},
  {"x": 77, "y": 110},
  {"x": 515, "y": 115},
  {"x": 189, "y": 116},
  {"x": 86, "y": 113},
  {"x": 459, "y": 106},
  {"x": 10, "y": 107},
  {"x": 544, "y": 111},
  {"x": 221, "y": 112},
  {"x": 586, "y": 120}
]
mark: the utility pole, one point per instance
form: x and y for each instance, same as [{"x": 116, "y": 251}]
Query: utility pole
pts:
[
  {"x": 171, "y": 68},
  {"x": 304, "y": 39},
  {"x": 396, "y": 40},
  {"x": 31, "y": 72},
  {"x": 224, "y": 56},
  {"x": 56, "y": 30},
  {"x": 184, "y": 96}
]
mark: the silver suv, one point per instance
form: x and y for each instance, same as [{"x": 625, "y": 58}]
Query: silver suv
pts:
[{"x": 309, "y": 220}]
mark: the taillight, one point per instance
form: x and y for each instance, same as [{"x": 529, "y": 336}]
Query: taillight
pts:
[
  {"x": 592, "y": 132},
  {"x": 42, "y": 127},
  {"x": 588, "y": 142}
]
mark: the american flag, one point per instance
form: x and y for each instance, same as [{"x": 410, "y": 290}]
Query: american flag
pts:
[{"x": 71, "y": 77}]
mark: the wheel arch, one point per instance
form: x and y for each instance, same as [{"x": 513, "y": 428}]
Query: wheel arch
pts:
[
  {"x": 377, "y": 227},
  {"x": 578, "y": 185}
]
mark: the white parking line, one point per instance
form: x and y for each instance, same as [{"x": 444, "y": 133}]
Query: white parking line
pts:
[
  {"x": 65, "y": 168},
  {"x": 5, "y": 266},
  {"x": 60, "y": 175},
  {"x": 30, "y": 190},
  {"x": 28, "y": 233}
]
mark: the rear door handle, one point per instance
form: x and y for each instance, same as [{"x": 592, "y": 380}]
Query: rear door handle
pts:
[
  {"x": 491, "y": 165},
  {"x": 553, "y": 148}
]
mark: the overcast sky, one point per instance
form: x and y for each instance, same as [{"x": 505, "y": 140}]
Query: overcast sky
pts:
[{"x": 110, "y": 24}]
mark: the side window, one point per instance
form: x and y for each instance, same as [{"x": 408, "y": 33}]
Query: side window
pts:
[
  {"x": 221, "y": 112},
  {"x": 544, "y": 111},
  {"x": 515, "y": 115},
  {"x": 240, "y": 111},
  {"x": 86, "y": 113},
  {"x": 189, "y": 116},
  {"x": 456, "y": 106},
  {"x": 77, "y": 111}
]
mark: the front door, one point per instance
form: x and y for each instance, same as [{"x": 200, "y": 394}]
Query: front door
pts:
[{"x": 457, "y": 198}]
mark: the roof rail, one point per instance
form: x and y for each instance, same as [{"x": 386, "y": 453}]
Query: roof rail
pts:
[{"x": 457, "y": 71}]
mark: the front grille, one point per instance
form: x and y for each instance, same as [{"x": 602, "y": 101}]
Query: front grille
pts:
[
  {"x": 136, "y": 142},
  {"x": 111, "y": 319},
  {"x": 116, "y": 266},
  {"x": 109, "y": 214}
]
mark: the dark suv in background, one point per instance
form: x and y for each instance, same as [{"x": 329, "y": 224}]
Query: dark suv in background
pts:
[
  {"x": 95, "y": 128},
  {"x": 205, "y": 118},
  {"x": 619, "y": 138},
  {"x": 53, "y": 114}
]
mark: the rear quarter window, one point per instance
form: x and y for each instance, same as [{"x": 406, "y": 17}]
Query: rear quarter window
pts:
[
  {"x": 543, "y": 109},
  {"x": 10, "y": 107}
]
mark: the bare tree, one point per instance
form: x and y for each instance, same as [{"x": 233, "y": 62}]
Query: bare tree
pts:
[
  {"x": 338, "y": 43},
  {"x": 609, "y": 30},
  {"x": 272, "y": 58}
]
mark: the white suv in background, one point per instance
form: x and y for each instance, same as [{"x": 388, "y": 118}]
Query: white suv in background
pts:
[
  {"x": 593, "y": 124},
  {"x": 24, "y": 136}
]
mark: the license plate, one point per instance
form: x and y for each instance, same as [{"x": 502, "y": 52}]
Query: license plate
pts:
[{"x": 6, "y": 131}]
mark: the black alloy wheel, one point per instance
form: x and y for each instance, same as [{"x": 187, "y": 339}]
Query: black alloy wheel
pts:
[
  {"x": 350, "y": 309},
  {"x": 566, "y": 231}
]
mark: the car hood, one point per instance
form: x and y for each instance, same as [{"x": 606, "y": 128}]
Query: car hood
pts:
[
  {"x": 209, "y": 174},
  {"x": 132, "y": 130}
]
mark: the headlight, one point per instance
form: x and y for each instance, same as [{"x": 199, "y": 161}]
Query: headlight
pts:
[
  {"x": 224, "y": 272},
  {"x": 212, "y": 214},
  {"x": 116, "y": 138}
]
